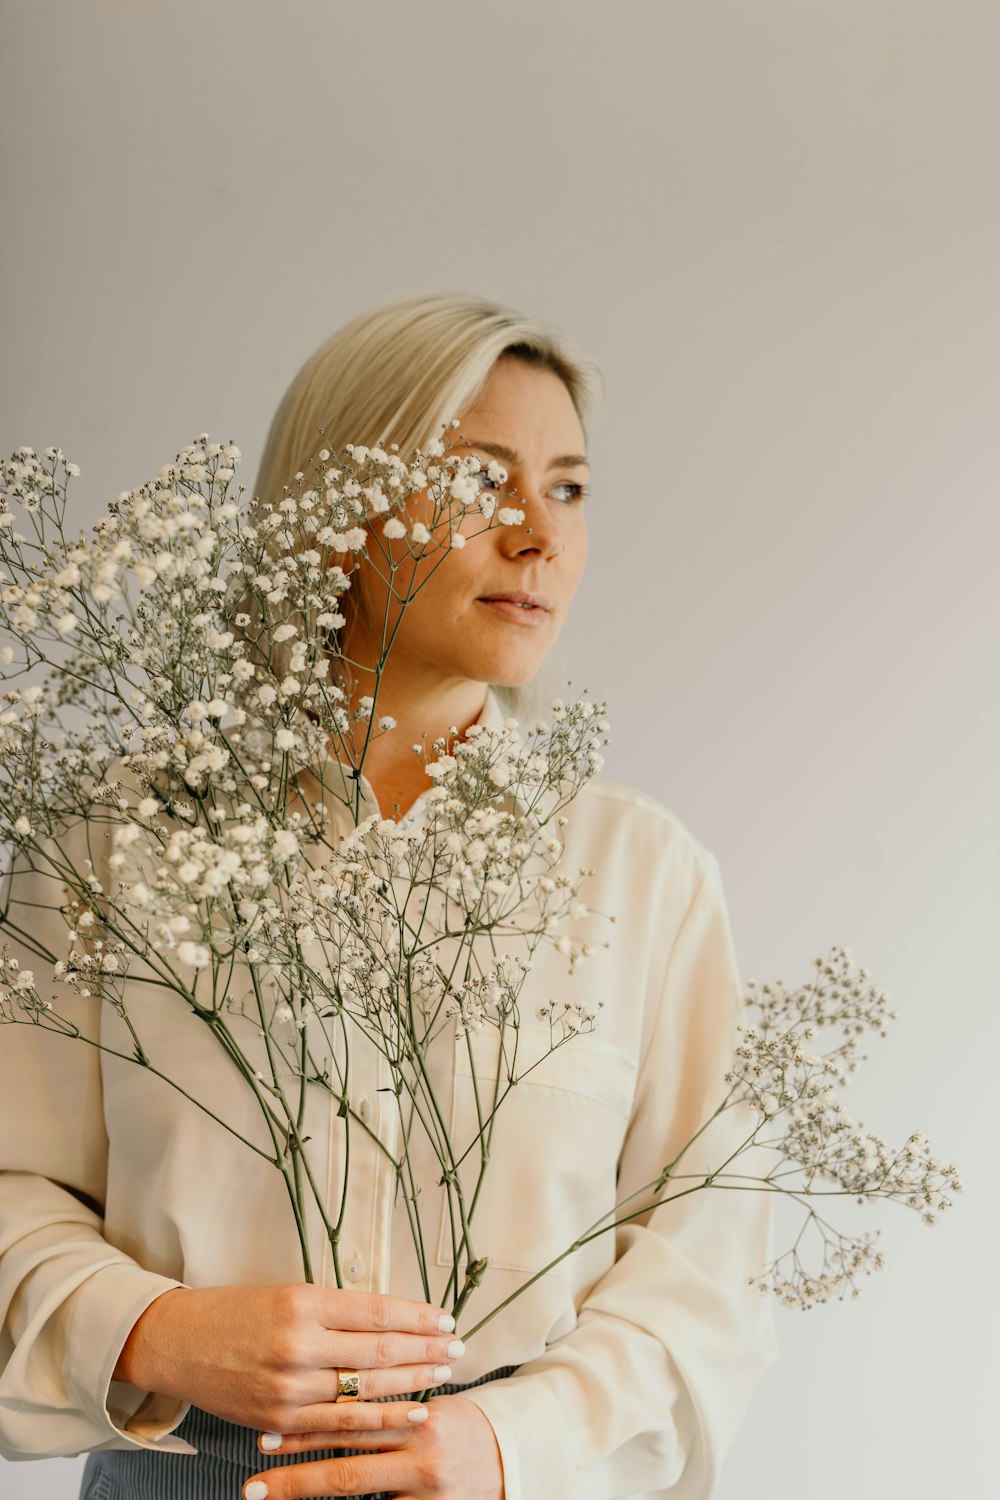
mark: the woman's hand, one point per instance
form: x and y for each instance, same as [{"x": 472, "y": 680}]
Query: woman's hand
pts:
[
  {"x": 268, "y": 1356},
  {"x": 453, "y": 1455}
]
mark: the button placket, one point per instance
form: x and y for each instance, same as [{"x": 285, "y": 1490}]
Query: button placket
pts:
[{"x": 363, "y": 1183}]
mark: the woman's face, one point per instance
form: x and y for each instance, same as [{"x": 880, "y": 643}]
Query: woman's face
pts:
[{"x": 526, "y": 419}]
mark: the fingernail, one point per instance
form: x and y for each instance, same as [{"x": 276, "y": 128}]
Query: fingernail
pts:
[
  {"x": 441, "y": 1372},
  {"x": 255, "y": 1490},
  {"x": 271, "y": 1440},
  {"x": 446, "y": 1323},
  {"x": 417, "y": 1414},
  {"x": 456, "y": 1349}
]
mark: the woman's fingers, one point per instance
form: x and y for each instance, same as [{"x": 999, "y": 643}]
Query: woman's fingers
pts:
[
  {"x": 376, "y": 1351},
  {"x": 362, "y": 1475},
  {"x": 319, "y": 1407},
  {"x": 312, "y": 1442},
  {"x": 346, "y": 1420},
  {"x": 398, "y": 1380},
  {"x": 375, "y": 1312}
]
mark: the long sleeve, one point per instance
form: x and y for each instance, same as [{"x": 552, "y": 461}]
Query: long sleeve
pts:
[
  {"x": 68, "y": 1298},
  {"x": 644, "y": 1396}
]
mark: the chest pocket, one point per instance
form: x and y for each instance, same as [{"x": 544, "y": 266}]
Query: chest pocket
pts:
[{"x": 553, "y": 1149}]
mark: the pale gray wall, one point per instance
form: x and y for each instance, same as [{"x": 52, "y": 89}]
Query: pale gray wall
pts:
[{"x": 777, "y": 226}]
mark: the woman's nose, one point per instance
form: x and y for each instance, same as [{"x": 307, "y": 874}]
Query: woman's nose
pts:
[
  {"x": 539, "y": 530},
  {"x": 553, "y": 550}
]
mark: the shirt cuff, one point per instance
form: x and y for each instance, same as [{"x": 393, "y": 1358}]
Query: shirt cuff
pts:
[
  {"x": 113, "y": 1299},
  {"x": 528, "y": 1408}
]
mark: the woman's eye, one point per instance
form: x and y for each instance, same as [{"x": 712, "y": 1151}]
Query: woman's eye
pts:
[{"x": 577, "y": 491}]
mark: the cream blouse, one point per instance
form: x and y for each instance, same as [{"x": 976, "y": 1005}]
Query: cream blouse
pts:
[{"x": 637, "y": 1354}]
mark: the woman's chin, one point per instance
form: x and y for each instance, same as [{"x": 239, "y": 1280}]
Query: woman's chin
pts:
[{"x": 510, "y": 668}]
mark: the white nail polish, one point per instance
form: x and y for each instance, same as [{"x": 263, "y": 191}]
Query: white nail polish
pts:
[
  {"x": 446, "y": 1323},
  {"x": 271, "y": 1441},
  {"x": 418, "y": 1414},
  {"x": 255, "y": 1490},
  {"x": 441, "y": 1373},
  {"x": 456, "y": 1349}
]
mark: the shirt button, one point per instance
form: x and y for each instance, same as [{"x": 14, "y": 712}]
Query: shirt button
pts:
[
  {"x": 355, "y": 1268},
  {"x": 365, "y": 1110}
]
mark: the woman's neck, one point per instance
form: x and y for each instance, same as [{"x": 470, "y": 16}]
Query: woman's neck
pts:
[{"x": 425, "y": 709}]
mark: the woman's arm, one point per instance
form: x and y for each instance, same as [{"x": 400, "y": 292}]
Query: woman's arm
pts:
[
  {"x": 646, "y": 1394},
  {"x": 67, "y": 1297},
  {"x": 67, "y": 1302}
]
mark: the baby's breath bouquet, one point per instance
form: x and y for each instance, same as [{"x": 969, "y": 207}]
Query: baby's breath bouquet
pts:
[{"x": 176, "y": 685}]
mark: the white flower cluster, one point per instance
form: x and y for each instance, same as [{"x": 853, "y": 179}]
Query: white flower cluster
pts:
[
  {"x": 791, "y": 1086},
  {"x": 198, "y": 889},
  {"x": 468, "y": 865},
  {"x": 567, "y": 1017},
  {"x": 489, "y": 999},
  {"x": 845, "y": 1259},
  {"x": 94, "y": 965},
  {"x": 496, "y": 796},
  {"x": 18, "y": 992}
]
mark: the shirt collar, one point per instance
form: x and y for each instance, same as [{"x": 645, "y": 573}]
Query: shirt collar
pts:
[
  {"x": 493, "y": 714},
  {"x": 336, "y": 776}
]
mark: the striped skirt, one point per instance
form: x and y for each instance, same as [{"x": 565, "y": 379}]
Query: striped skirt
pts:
[{"x": 227, "y": 1456}]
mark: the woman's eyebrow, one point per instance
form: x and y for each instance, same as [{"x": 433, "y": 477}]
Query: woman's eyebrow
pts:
[{"x": 500, "y": 450}]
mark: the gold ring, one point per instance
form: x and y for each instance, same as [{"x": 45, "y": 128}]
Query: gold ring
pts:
[{"x": 348, "y": 1385}]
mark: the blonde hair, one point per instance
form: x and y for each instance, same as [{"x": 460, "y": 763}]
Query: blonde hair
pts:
[{"x": 397, "y": 374}]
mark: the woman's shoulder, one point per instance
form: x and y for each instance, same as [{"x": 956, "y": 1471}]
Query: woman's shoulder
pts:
[{"x": 616, "y": 819}]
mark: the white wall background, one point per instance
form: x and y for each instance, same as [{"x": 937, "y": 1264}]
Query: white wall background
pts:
[{"x": 777, "y": 227}]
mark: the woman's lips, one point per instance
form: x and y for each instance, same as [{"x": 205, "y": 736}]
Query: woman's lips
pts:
[{"x": 521, "y": 614}]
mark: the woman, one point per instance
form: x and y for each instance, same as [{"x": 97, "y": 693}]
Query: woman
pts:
[{"x": 153, "y": 1309}]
